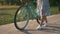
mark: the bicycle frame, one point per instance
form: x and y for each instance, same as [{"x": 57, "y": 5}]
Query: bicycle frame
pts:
[
  {"x": 31, "y": 10},
  {"x": 28, "y": 12}
]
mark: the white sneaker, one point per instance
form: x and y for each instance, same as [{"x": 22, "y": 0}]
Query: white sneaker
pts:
[
  {"x": 39, "y": 27},
  {"x": 45, "y": 24}
]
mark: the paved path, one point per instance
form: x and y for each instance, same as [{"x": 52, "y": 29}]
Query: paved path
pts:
[{"x": 53, "y": 28}]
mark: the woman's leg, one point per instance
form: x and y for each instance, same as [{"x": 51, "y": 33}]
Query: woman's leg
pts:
[
  {"x": 46, "y": 22},
  {"x": 43, "y": 18},
  {"x": 41, "y": 21}
]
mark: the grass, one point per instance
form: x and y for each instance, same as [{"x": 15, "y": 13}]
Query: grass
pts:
[
  {"x": 7, "y": 15},
  {"x": 54, "y": 10}
]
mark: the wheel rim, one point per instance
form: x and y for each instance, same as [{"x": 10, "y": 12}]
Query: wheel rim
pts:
[{"x": 21, "y": 18}]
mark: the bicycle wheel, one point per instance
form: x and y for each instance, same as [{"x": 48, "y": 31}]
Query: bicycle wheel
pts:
[{"x": 21, "y": 18}]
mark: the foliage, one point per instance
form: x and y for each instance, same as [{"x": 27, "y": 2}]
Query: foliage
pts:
[{"x": 18, "y": 2}]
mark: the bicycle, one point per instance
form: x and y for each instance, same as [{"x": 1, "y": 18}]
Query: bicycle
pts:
[{"x": 23, "y": 14}]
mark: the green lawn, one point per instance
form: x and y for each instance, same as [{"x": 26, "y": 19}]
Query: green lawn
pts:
[
  {"x": 54, "y": 10},
  {"x": 7, "y": 15}
]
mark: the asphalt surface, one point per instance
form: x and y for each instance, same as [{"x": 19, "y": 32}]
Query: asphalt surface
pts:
[{"x": 53, "y": 27}]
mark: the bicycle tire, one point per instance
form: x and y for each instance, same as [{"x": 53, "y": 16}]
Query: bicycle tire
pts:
[{"x": 15, "y": 18}]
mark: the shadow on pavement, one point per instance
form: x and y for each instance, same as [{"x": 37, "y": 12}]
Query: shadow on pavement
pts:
[
  {"x": 51, "y": 29},
  {"x": 27, "y": 30}
]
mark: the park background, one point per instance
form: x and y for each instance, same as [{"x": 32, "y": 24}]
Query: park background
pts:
[{"x": 9, "y": 7}]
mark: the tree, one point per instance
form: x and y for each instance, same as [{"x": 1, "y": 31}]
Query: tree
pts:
[{"x": 58, "y": 3}]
